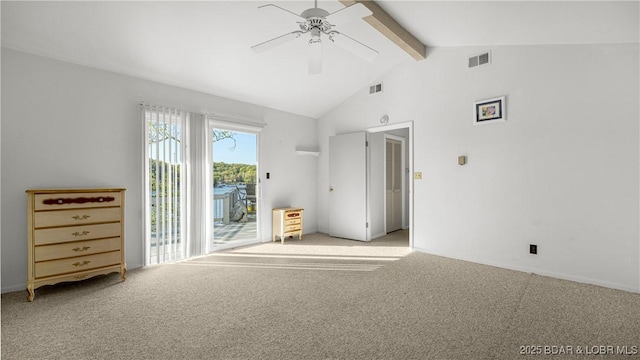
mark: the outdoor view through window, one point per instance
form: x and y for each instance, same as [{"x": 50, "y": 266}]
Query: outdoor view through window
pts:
[{"x": 235, "y": 185}]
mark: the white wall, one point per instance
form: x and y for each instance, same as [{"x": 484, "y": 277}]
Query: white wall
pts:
[
  {"x": 293, "y": 178},
  {"x": 562, "y": 172},
  {"x": 71, "y": 126}
]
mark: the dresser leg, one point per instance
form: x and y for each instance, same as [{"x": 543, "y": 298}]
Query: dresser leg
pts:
[
  {"x": 31, "y": 292},
  {"x": 123, "y": 273}
]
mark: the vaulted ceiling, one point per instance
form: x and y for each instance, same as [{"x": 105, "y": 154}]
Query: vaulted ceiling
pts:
[{"x": 205, "y": 45}]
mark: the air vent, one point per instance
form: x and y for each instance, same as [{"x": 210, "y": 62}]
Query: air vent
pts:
[
  {"x": 481, "y": 59},
  {"x": 375, "y": 88}
]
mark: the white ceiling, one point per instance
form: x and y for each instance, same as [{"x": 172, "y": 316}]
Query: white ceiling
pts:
[{"x": 205, "y": 45}]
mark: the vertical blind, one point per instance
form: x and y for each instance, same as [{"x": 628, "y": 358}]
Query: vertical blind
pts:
[{"x": 167, "y": 176}]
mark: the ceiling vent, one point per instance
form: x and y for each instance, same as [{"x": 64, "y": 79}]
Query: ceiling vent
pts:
[
  {"x": 375, "y": 88},
  {"x": 480, "y": 59}
]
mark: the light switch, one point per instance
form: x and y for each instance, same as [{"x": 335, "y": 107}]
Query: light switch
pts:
[{"x": 417, "y": 175}]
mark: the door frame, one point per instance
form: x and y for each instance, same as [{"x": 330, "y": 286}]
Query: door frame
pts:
[
  {"x": 219, "y": 122},
  {"x": 403, "y": 180},
  {"x": 390, "y": 127}
]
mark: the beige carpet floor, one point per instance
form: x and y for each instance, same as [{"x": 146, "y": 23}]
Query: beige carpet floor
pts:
[{"x": 322, "y": 298}]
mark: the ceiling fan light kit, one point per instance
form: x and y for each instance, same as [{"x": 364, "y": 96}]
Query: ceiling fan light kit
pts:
[{"x": 315, "y": 22}]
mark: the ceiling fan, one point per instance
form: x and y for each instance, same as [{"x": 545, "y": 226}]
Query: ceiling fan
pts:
[{"x": 316, "y": 21}]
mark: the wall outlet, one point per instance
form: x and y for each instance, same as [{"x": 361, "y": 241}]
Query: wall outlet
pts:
[
  {"x": 417, "y": 175},
  {"x": 533, "y": 249}
]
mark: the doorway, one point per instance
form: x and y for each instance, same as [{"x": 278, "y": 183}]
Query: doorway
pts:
[
  {"x": 379, "y": 210},
  {"x": 360, "y": 169},
  {"x": 234, "y": 174}
]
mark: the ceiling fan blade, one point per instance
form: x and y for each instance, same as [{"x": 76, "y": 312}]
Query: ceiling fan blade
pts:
[
  {"x": 315, "y": 58},
  {"x": 270, "y": 44},
  {"x": 349, "y": 13},
  {"x": 354, "y": 46},
  {"x": 273, "y": 6}
]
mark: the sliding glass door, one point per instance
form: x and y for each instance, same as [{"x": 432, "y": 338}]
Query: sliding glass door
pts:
[
  {"x": 201, "y": 184},
  {"x": 234, "y": 198}
]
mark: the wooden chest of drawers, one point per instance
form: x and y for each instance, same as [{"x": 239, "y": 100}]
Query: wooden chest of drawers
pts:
[
  {"x": 287, "y": 222},
  {"x": 74, "y": 234}
]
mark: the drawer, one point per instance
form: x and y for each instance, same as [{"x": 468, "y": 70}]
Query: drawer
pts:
[
  {"x": 292, "y": 228},
  {"x": 79, "y": 248},
  {"x": 77, "y": 264},
  {"x": 291, "y": 215},
  {"x": 76, "y": 217},
  {"x": 76, "y": 233},
  {"x": 76, "y": 200},
  {"x": 292, "y": 222}
]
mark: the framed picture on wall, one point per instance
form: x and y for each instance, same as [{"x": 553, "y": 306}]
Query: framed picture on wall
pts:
[{"x": 489, "y": 110}]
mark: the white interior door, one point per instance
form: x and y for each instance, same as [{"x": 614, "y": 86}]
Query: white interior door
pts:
[
  {"x": 348, "y": 186},
  {"x": 394, "y": 181}
]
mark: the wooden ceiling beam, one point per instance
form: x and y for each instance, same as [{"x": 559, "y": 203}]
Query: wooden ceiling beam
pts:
[{"x": 389, "y": 27}]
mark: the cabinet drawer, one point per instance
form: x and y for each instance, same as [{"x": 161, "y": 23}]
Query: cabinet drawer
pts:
[
  {"x": 76, "y": 217},
  {"x": 80, "y": 248},
  {"x": 76, "y": 233},
  {"x": 76, "y": 264},
  {"x": 291, "y": 215},
  {"x": 292, "y": 228},
  {"x": 292, "y": 222},
  {"x": 76, "y": 200}
]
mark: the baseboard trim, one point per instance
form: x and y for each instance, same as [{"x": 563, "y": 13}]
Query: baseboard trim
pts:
[
  {"x": 13, "y": 288},
  {"x": 597, "y": 282}
]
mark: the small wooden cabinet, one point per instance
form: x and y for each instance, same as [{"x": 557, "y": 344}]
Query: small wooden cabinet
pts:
[
  {"x": 74, "y": 234},
  {"x": 287, "y": 222}
]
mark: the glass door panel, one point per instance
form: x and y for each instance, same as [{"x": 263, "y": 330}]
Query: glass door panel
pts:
[{"x": 235, "y": 202}]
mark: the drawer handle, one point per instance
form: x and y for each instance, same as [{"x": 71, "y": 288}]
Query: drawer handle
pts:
[
  {"x": 81, "y": 233},
  {"x": 84, "y": 248},
  {"x": 83, "y": 217},
  {"x": 80, "y": 277},
  {"x": 86, "y": 262}
]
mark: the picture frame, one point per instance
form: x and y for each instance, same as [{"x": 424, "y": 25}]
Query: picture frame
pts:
[{"x": 489, "y": 111}]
